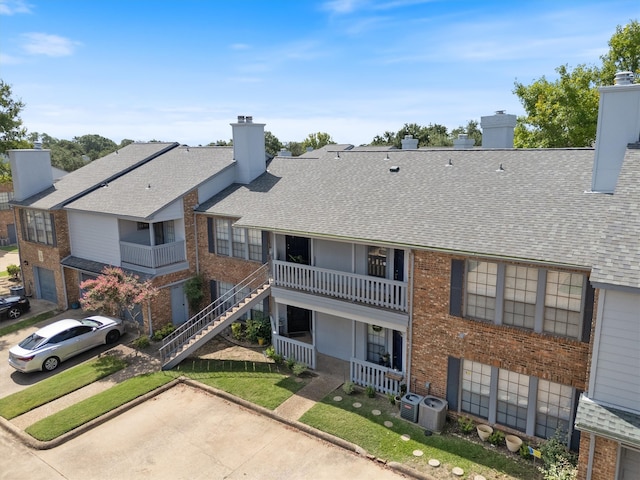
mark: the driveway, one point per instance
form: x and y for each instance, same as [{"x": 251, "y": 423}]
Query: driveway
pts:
[{"x": 186, "y": 433}]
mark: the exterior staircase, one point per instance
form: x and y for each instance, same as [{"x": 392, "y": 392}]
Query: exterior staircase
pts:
[{"x": 214, "y": 318}]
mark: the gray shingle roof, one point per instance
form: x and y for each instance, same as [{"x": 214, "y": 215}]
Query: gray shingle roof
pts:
[
  {"x": 535, "y": 209},
  {"x": 154, "y": 185},
  {"x": 95, "y": 173},
  {"x": 618, "y": 262},
  {"x": 608, "y": 422}
]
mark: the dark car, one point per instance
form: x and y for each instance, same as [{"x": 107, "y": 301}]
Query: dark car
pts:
[{"x": 14, "y": 306}]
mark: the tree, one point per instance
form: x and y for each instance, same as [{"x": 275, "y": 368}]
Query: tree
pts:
[
  {"x": 12, "y": 133},
  {"x": 272, "y": 145},
  {"x": 317, "y": 140},
  {"x": 295, "y": 148},
  {"x": 116, "y": 292},
  {"x": 432, "y": 135},
  {"x": 623, "y": 54},
  {"x": 562, "y": 113},
  {"x": 66, "y": 155},
  {"x": 95, "y": 146}
]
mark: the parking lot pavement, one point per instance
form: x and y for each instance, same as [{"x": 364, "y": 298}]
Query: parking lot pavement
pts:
[{"x": 188, "y": 433}]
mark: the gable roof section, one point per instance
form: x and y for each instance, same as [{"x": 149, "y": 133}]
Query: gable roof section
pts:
[
  {"x": 618, "y": 261},
  {"x": 535, "y": 209},
  {"x": 607, "y": 421},
  {"x": 150, "y": 187},
  {"x": 91, "y": 176}
]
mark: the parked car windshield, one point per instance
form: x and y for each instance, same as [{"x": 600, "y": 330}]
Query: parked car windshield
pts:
[
  {"x": 31, "y": 342},
  {"x": 90, "y": 322}
]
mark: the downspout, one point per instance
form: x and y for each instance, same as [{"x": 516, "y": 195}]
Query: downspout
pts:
[
  {"x": 592, "y": 450},
  {"x": 149, "y": 316},
  {"x": 195, "y": 228},
  {"x": 410, "y": 311},
  {"x": 64, "y": 289}
]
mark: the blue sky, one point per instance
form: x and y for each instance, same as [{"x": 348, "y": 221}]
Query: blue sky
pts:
[{"x": 183, "y": 70}]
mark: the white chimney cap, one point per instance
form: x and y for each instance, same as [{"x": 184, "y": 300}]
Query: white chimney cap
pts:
[
  {"x": 240, "y": 118},
  {"x": 249, "y": 119}
]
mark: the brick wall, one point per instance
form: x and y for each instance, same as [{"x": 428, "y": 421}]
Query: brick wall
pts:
[
  {"x": 437, "y": 335},
  {"x": 605, "y": 458},
  {"x": 45, "y": 256}
]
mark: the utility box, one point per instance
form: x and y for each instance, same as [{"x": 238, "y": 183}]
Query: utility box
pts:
[
  {"x": 433, "y": 413},
  {"x": 18, "y": 290},
  {"x": 409, "y": 407}
]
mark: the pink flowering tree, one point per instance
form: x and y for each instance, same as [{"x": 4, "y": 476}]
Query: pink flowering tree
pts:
[{"x": 115, "y": 292}]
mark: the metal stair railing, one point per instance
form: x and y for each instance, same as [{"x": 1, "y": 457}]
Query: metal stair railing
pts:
[{"x": 174, "y": 342}]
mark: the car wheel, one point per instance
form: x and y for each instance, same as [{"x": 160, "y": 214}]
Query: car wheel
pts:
[
  {"x": 113, "y": 336},
  {"x": 50, "y": 364},
  {"x": 13, "y": 313}
]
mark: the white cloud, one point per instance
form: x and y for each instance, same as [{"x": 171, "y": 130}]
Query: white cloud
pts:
[
  {"x": 9, "y": 59},
  {"x": 342, "y": 6},
  {"x": 239, "y": 46},
  {"x": 49, "y": 45},
  {"x": 12, "y": 7}
]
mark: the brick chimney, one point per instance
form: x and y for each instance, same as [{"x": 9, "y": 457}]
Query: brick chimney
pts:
[
  {"x": 248, "y": 149},
  {"x": 30, "y": 171},
  {"x": 497, "y": 130},
  {"x": 618, "y": 125}
]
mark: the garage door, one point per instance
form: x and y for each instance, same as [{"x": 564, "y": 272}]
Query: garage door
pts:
[
  {"x": 629, "y": 464},
  {"x": 46, "y": 284}
]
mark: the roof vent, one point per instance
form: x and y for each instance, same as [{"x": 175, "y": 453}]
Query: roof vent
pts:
[
  {"x": 337, "y": 157},
  {"x": 387, "y": 157},
  {"x": 240, "y": 118},
  {"x": 450, "y": 164},
  {"x": 248, "y": 119},
  {"x": 394, "y": 169},
  {"x": 623, "y": 78},
  {"x": 500, "y": 112},
  {"x": 500, "y": 169}
]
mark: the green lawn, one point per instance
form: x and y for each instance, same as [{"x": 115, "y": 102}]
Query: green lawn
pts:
[
  {"x": 59, "y": 385},
  {"x": 10, "y": 248},
  {"x": 93, "y": 407},
  {"x": 362, "y": 427},
  {"x": 263, "y": 383}
]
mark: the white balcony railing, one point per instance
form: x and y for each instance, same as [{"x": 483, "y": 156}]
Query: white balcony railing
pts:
[
  {"x": 152, "y": 256},
  {"x": 383, "y": 379},
  {"x": 376, "y": 291},
  {"x": 300, "y": 351}
]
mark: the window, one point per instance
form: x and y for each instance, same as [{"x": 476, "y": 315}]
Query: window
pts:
[
  {"x": 236, "y": 242},
  {"x": 375, "y": 343},
  {"x": 529, "y": 404},
  {"x": 563, "y": 303},
  {"x": 222, "y": 236},
  {"x": 541, "y": 300},
  {"x": 5, "y": 198},
  {"x": 38, "y": 227},
  {"x": 377, "y": 257},
  {"x": 553, "y": 409},
  {"x": 225, "y": 289},
  {"x": 513, "y": 399},
  {"x": 255, "y": 244},
  {"x": 521, "y": 284},
  {"x": 481, "y": 290},
  {"x": 476, "y": 384}
]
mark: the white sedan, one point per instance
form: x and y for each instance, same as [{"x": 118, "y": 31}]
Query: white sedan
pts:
[{"x": 55, "y": 343}]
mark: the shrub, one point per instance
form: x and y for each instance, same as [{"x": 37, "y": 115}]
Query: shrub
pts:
[
  {"x": 524, "y": 450},
  {"x": 554, "y": 450},
  {"x": 496, "y": 438},
  {"x": 561, "y": 470},
  {"x": 237, "y": 330},
  {"x": 466, "y": 425},
  {"x": 290, "y": 363},
  {"x": 258, "y": 326},
  {"x": 298, "y": 369},
  {"x": 392, "y": 398},
  {"x": 141, "y": 342},
  {"x": 370, "y": 391},
  {"x": 13, "y": 271},
  {"x": 348, "y": 387},
  {"x": 194, "y": 290},
  {"x": 163, "y": 332},
  {"x": 270, "y": 351}
]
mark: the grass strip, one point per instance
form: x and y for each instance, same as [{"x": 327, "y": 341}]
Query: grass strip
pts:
[
  {"x": 59, "y": 385},
  {"x": 72, "y": 417},
  {"x": 26, "y": 323},
  {"x": 263, "y": 383},
  {"x": 361, "y": 427}
]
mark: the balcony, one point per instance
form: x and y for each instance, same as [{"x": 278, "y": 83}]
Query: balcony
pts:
[
  {"x": 378, "y": 292},
  {"x": 152, "y": 257}
]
